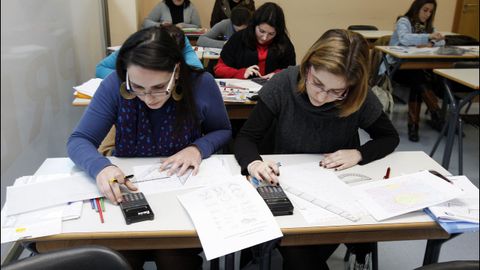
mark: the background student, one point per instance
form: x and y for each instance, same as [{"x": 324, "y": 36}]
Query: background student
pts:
[
  {"x": 415, "y": 28},
  {"x": 107, "y": 65},
  {"x": 220, "y": 32},
  {"x": 318, "y": 108},
  {"x": 260, "y": 50},
  {"x": 181, "y": 13},
  {"x": 222, "y": 9}
]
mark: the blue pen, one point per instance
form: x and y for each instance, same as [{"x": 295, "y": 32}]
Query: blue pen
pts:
[
  {"x": 257, "y": 183},
  {"x": 92, "y": 204}
]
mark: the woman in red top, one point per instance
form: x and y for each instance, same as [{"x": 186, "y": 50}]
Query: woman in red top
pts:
[{"x": 260, "y": 50}]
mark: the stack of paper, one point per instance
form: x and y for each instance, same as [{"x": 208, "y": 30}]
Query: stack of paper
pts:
[
  {"x": 32, "y": 208},
  {"x": 87, "y": 89},
  {"x": 404, "y": 194},
  {"x": 460, "y": 214},
  {"x": 236, "y": 90}
]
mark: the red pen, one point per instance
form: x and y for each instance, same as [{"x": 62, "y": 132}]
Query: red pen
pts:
[
  {"x": 387, "y": 174},
  {"x": 97, "y": 201}
]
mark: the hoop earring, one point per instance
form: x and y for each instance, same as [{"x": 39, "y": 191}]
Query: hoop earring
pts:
[
  {"x": 125, "y": 93},
  {"x": 177, "y": 95}
]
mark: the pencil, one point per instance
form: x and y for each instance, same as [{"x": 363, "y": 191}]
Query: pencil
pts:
[
  {"x": 102, "y": 204},
  {"x": 99, "y": 209}
]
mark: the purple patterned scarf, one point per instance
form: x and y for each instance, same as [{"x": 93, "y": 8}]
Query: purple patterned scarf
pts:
[{"x": 135, "y": 136}]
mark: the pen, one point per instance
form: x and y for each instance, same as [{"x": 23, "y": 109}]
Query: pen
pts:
[
  {"x": 126, "y": 178},
  {"x": 92, "y": 203},
  {"x": 99, "y": 210},
  {"x": 440, "y": 175},
  {"x": 387, "y": 174}
]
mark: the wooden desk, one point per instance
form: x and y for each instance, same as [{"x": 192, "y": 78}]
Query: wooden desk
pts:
[
  {"x": 403, "y": 60},
  {"x": 469, "y": 78},
  {"x": 172, "y": 227},
  {"x": 235, "y": 110}
]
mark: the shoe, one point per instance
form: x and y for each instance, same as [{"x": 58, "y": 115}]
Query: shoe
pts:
[
  {"x": 436, "y": 122},
  {"x": 363, "y": 266},
  {"x": 413, "y": 132}
]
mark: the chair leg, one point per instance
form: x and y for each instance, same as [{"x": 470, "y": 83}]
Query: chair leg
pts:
[
  {"x": 375, "y": 257},
  {"x": 460, "y": 146},
  {"x": 347, "y": 256}
]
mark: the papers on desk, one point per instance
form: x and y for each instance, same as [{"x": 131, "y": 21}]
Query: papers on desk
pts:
[
  {"x": 460, "y": 214},
  {"x": 49, "y": 190},
  {"x": 400, "y": 195},
  {"x": 413, "y": 50},
  {"x": 150, "y": 180},
  {"x": 43, "y": 222},
  {"x": 324, "y": 195},
  {"x": 33, "y": 224},
  {"x": 87, "y": 89},
  {"x": 236, "y": 90},
  {"x": 229, "y": 216}
]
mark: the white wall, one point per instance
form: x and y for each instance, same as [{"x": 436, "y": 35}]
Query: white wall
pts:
[{"x": 47, "y": 47}]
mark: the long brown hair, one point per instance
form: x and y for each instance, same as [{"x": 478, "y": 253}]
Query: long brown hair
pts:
[
  {"x": 414, "y": 11},
  {"x": 343, "y": 53}
]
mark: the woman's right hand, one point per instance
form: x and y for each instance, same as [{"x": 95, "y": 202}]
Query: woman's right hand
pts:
[
  {"x": 109, "y": 180},
  {"x": 436, "y": 36},
  {"x": 252, "y": 71},
  {"x": 264, "y": 171}
]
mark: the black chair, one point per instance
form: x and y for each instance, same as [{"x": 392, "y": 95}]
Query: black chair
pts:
[
  {"x": 359, "y": 27},
  {"x": 78, "y": 258},
  {"x": 453, "y": 265}
]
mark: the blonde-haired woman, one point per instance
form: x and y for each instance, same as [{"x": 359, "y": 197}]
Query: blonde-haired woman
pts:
[{"x": 318, "y": 107}]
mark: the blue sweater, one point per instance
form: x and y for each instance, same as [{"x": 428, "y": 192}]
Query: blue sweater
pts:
[
  {"x": 107, "y": 65},
  {"x": 102, "y": 114}
]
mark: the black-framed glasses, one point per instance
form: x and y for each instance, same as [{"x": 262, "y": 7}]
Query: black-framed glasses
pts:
[
  {"x": 338, "y": 94},
  {"x": 156, "y": 93}
]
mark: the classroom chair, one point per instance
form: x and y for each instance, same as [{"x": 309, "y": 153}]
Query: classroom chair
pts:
[
  {"x": 78, "y": 258},
  {"x": 360, "y": 27},
  {"x": 453, "y": 265}
]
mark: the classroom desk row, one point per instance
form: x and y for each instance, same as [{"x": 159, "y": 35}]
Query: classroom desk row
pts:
[
  {"x": 172, "y": 227},
  {"x": 235, "y": 110}
]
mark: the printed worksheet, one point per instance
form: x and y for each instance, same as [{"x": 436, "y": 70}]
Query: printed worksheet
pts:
[
  {"x": 149, "y": 179},
  {"x": 229, "y": 216},
  {"x": 404, "y": 194}
]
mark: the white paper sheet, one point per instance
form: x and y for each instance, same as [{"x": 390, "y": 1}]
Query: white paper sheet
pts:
[
  {"x": 322, "y": 188},
  {"x": 32, "y": 224},
  {"x": 41, "y": 194},
  {"x": 463, "y": 208},
  {"x": 150, "y": 181},
  {"x": 229, "y": 216},
  {"x": 404, "y": 194},
  {"x": 89, "y": 87}
]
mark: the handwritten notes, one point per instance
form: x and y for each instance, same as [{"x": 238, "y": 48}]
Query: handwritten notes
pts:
[{"x": 229, "y": 216}]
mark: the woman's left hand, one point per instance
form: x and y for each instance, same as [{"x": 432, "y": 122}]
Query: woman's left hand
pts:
[
  {"x": 268, "y": 76},
  {"x": 341, "y": 159},
  {"x": 182, "y": 160}
]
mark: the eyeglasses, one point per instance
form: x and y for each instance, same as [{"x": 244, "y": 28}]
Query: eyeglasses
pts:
[
  {"x": 338, "y": 94},
  {"x": 156, "y": 93}
]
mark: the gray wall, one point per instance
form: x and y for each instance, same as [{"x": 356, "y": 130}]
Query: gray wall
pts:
[{"x": 48, "y": 46}]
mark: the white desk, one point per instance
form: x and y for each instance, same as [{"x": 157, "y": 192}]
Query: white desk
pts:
[
  {"x": 424, "y": 60},
  {"x": 469, "y": 78},
  {"x": 372, "y": 35},
  {"x": 173, "y": 229}
]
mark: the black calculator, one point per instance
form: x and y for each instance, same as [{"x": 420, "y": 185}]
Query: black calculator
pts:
[
  {"x": 276, "y": 199},
  {"x": 135, "y": 208}
]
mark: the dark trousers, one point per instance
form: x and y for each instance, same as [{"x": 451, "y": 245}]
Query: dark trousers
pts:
[
  {"x": 178, "y": 259},
  {"x": 307, "y": 257},
  {"x": 420, "y": 90}
]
